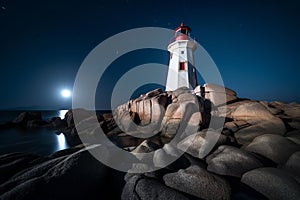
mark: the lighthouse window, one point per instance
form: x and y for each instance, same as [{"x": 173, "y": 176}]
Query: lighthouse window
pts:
[
  {"x": 181, "y": 66},
  {"x": 182, "y": 52}
]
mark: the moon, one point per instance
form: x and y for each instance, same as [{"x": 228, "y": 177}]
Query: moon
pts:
[{"x": 65, "y": 93}]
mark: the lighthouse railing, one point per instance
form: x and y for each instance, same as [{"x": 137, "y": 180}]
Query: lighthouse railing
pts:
[{"x": 181, "y": 36}]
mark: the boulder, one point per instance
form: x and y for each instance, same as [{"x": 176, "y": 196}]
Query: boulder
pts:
[
  {"x": 12, "y": 163},
  {"x": 249, "y": 119},
  {"x": 293, "y": 134},
  {"x": 198, "y": 182},
  {"x": 24, "y": 117},
  {"x": 81, "y": 114},
  {"x": 75, "y": 176},
  {"x": 249, "y": 110},
  {"x": 159, "y": 111},
  {"x": 257, "y": 127},
  {"x": 272, "y": 109},
  {"x": 295, "y": 140},
  {"x": 146, "y": 147},
  {"x": 166, "y": 155},
  {"x": 231, "y": 161},
  {"x": 201, "y": 143},
  {"x": 143, "y": 188},
  {"x": 143, "y": 114},
  {"x": 273, "y": 183},
  {"x": 183, "y": 116},
  {"x": 275, "y": 147},
  {"x": 293, "y": 165},
  {"x": 36, "y": 123},
  {"x": 291, "y": 111},
  {"x": 58, "y": 123},
  {"x": 218, "y": 95}
]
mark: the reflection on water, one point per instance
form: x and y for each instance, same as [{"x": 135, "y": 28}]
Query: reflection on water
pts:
[
  {"x": 61, "y": 142},
  {"x": 40, "y": 141},
  {"x": 62, "y": 113}
]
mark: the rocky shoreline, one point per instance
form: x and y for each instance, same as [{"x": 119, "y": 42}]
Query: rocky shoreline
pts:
[{"x": 256, "y": 156}]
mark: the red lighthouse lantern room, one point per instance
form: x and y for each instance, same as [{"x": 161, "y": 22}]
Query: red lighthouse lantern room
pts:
[{"x": 182, "y": 32}]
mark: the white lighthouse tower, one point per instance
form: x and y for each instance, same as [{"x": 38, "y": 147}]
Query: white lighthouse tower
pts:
[{"x": 182, "y": 72}]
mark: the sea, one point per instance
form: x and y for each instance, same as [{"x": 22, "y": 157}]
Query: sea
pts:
[{"x": 40, "y": 141}]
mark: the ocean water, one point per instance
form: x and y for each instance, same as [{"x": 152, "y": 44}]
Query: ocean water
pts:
[{"x": 39, "y": 141}]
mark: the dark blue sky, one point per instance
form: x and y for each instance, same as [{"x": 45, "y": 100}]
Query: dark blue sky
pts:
[{"x": 255, "y": 44}]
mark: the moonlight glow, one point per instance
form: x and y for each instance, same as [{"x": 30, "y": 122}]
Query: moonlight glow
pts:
[{"x": 66, "y": 93}]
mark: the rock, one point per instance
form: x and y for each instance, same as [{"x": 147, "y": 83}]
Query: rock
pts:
[
  {"x": 87, "y": 129},
  {"x": 198, "y": 182},
  {"x": 275, "y": 147},
  {"x": 143, "y": 114},
  {"x": 272, "y": 109},
  {"x": 249, "y": 110},
  {"x": 183, "y": 116},
  {"x": 107, "y": 116},
  {"x": 218, "y": 95},
  {"x": 159, "y": 111},
  {"x": 295, "y": 140},
  {"x": 201, "y": 143},
  {"x": 170, "y": 157},
  {"x": 81, "y": 114},
  {"x": 58, "y": 123},
  {"x": 140, "y": 187},
  {"x": 291, "y": 111},
  {"x": 293, "y": 165},
  {"x": 293, "y": 134},
  {"x": 231, "y": 161},
  {"x": 257, "y": 127},
  {"x": 109, "y": 125},
  {"x": 12, "y": 163},
  {"x": 294, "y": 123},
  {"x": 251, "y": 119},
  {"x": 67, "y": 151},
  {"x": 24, "y": 117},
  {"x": 74, "y": 176},
  {"x": 273, "y": 183},
  {"x": 146, "y": 147},
  {"x": 231, "y": 126},
  {"x": 36, "y": 124}
]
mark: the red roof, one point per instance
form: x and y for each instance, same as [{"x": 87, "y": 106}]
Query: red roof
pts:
[{"x": 182, "y": 26}]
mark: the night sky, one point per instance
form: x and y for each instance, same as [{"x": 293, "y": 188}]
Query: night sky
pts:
[{"x": 255, "y": 44}]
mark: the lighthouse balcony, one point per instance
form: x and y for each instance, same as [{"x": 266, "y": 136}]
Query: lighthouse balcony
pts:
[{"x": 181, "y": 36}]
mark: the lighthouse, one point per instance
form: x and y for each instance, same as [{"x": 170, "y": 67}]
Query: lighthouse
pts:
[{"x": 182, "y": 72}]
